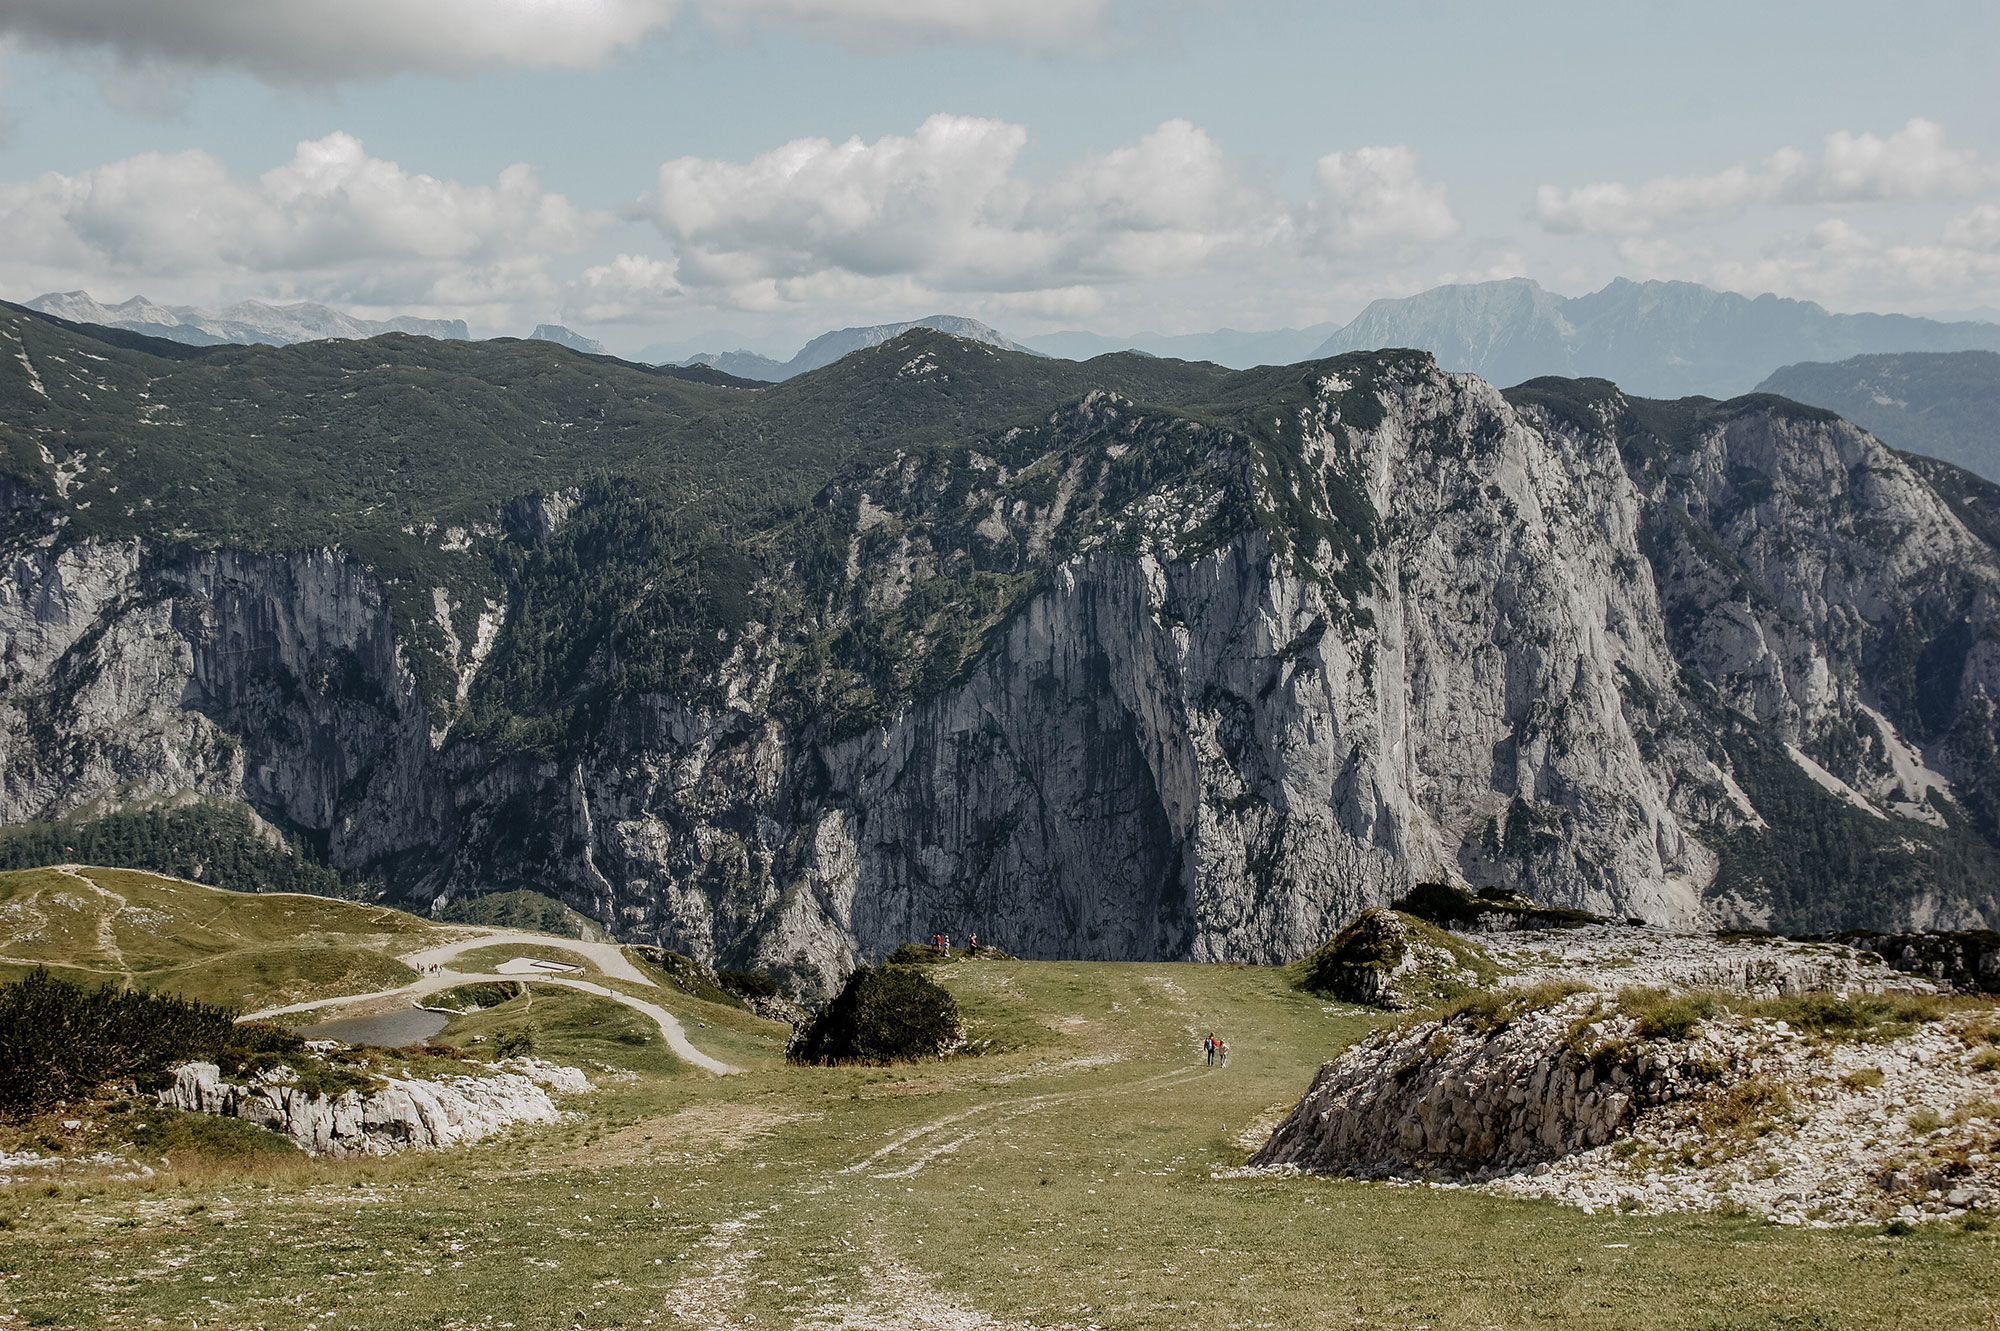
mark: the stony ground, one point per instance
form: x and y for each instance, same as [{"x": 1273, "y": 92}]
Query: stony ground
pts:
[
  {"x": 1872, "y": 1132},
  {"x": 1612, "y": 956}
]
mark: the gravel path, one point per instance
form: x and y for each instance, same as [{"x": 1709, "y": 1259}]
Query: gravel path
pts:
[{"x": 606, "y": 956}]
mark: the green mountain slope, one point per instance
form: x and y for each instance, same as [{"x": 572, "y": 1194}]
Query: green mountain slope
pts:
[{"x": 1944, "y": 404}]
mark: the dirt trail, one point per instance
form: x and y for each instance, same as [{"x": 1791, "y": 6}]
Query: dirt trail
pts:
[
  {"x": 107, "y": 934},
  {"x": 713, "y": 1293}
]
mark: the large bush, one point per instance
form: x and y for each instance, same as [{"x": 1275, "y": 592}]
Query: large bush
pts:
[
  {"x": 890, "y": 1014},
  {"x": 59, "y": 1039}
]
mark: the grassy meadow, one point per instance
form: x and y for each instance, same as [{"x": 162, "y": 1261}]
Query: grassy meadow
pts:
[
  {"x": 128, "y": 926},
  {"x": 1066, "y": 1178}
]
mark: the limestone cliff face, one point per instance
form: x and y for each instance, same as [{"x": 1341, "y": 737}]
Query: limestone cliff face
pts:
[{"x": 1135, "y": 685}]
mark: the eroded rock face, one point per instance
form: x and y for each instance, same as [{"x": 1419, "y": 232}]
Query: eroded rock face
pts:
[
  {"x": 1445, "y": 1096},
  {"x": 406, "y": 1113},
  {"x": 1577, "y": 1103},
  {"x": 1237, "y": 688}
]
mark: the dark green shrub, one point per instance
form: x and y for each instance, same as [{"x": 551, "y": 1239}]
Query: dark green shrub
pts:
[
  {"x": 485, "y": 994},
  {"x": 887, "y": 1014},
  {"x": 58, "y": 1039},
  {"x": 516, "y": 1043},
  {"x": 913, "y": 954},
  {"x": 748, "y": 984}
]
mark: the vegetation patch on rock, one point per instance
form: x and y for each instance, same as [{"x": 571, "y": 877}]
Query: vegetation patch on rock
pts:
[
  {"x": 885, "y": 1014},
  {"x": 1491, "y": 910},
  {"x": 1389, "y": 959}
]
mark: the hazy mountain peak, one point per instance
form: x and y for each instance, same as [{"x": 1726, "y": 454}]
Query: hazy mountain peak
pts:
[
  {"x": 1652, "y": 338},
  {"x": 564, "y": 337},
  {"x": 246, "y": 322},
  {"x": 831, "y": 346}
]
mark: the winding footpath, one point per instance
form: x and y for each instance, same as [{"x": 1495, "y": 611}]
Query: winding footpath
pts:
[{"x": 607, "y": 957}]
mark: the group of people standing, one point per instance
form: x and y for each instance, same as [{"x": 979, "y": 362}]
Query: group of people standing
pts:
[
  {"x": 941, "y": 944},
  {"x": 1217, "y": 1051}
]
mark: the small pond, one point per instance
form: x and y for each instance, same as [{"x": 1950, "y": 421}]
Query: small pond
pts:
[{"x": 393, "y": 1029}]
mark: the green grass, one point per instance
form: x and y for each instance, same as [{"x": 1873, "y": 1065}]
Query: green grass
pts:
[
  {"x": 1063, "y": 1180},
  {"x": 482, "y": 960},
  {"x": 567, "y": 1027},
  {"x": 127, "y": 926}
]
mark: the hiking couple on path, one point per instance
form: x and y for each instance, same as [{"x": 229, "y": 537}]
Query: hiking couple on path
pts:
[{"x": 1217, "y": 1051}]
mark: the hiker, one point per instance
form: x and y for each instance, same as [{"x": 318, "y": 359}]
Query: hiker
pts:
[
  {"x": 972, "y": 945},
  {"x": 1208, "y": 1047},
  {"x": 1222, "y": 1052}
]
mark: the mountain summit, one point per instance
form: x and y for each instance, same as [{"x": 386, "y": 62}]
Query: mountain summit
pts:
[
  {"x": 829, "y": 347},
  {"x": 1656, "y": 339}
]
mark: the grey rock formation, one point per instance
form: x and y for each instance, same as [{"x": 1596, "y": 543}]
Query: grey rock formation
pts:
[
  {"x": 1445, "y": 1095},
  {"x": 565, "y": 337},
  {"x": 405, "y": 1113},
  {"x": 1163, "y": 689},
  {"x": 1576, "y": 1102}
]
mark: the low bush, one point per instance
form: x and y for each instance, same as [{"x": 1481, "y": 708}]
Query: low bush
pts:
[
  {"x": 1851, "y": 1017},
  {"x": 688, "y": 975},
  {"x": 1746, "y": 1108},
  {"x": 516, "y": 1043},
  {"x": 907, "y": 953},
  {"x": 1666, "y": 1016},
  {"x": 1490, "y": 1010},
  {"x": 886, "y": 1014},
  {"x": 59, "y": 1039}
]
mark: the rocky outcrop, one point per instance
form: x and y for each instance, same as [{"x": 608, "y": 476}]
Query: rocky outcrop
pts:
[
  {"x": 1967, "y": 962},
  {"x": 1450, "y": 1096},
  {"x": 1386, "y": 959},
  {"x": 404, "y": 1113},
  {"x": 1133, "y": 685},
  {"x": 1581, "y": 1102}
]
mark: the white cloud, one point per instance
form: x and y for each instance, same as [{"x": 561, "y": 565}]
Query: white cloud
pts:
[
  {"x": 1374, "y": 197},
  {"x": 1915, "y": 162},
  {"x": 332, "y": 223},
  {"x": 1839, "y": 264},
  {"x": 155, "y": 45},
  {"x": 946, "y": 210},
  {"x": 1977, "y": 230}
]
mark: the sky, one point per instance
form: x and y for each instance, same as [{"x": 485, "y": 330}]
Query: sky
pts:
[{"x": 688, "y": 175}]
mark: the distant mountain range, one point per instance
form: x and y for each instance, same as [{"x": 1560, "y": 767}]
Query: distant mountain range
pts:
[
  {"x": 830, "y": 347},
  {"x": 1652, "y": 339},
  {"x": 564, "y": 337},
  {"x": 1225, "y": 346},
  {"x": 247, "y": 322},
  {"x": 1942, "y": 404}
]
